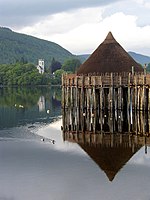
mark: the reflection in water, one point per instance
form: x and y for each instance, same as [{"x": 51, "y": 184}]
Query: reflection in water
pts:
[
  {"x": 40, "y": 170},
  {"x": 105, "y": 121},
  {"x": 110, "y": 139},
  {"x": 41, "y": 103},
  {"x": 20, "y": 106}
]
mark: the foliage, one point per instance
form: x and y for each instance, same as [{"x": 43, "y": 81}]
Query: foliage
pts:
[
  {"x": 148, "y": 68},
  {"x": 21, "y": 74},
  {"x": 55, "y": 65},
  {"x": 56, "y": 78},
  {"x": 71, "y": 65}
]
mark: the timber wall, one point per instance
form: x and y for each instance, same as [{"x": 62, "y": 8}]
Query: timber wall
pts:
[{"x": 105, "y": 102}]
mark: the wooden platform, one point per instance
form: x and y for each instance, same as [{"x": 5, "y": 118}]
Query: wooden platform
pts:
[
  {"x": 97, "y": 102},
  {"x": 109, "y": 90}
]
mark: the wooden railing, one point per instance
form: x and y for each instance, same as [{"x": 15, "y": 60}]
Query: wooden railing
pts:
[{"x": 107, "y": 79}]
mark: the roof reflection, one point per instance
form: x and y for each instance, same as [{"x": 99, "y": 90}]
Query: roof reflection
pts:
[{"x": 114, "y": 140}]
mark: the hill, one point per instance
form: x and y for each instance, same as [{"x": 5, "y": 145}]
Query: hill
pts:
[
  {"x": 16, "y": 46},
  {"x": 142, "y": 59},
  {"x": 83, "y": 57}
]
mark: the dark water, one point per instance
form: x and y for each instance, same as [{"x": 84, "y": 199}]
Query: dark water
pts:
[{"x": 74, "y": 166}]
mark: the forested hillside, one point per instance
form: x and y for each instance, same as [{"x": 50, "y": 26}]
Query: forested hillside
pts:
[
  {"x": 20, "y": 47},
  {"x": 139, "y": 58},
  {"x": 142, "y": 59}
]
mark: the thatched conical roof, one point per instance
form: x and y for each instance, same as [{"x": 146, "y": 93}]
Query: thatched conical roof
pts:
[{"x": 109, "y": 57}]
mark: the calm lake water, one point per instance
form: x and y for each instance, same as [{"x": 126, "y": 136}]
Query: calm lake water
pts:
[{"x": 64, "y": 167}]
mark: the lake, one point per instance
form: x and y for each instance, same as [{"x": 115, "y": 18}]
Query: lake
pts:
[{"x": 39, "y": 161}]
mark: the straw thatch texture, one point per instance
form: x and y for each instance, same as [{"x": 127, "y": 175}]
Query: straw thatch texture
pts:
[{"x": 109, "y": 57}]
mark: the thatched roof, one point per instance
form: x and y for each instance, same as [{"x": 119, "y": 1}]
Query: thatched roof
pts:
[{"x": 109, "y": 57}]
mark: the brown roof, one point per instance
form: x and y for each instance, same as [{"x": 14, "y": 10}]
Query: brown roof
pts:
[
  {"x": 110, "y": 159},
  {"x": 109, "y": 57}
]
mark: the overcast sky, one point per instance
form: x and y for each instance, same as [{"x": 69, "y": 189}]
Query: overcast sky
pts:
[{"x": 81, "y": 25}]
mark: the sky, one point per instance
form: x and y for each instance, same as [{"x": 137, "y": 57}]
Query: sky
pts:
[{"x": 81, "y": 25}]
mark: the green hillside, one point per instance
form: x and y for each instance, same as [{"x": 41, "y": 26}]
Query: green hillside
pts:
[
  {"x": 142, "y": 59},
  {"x": 139, "y": 58},
  {"x": 15, "y": 47}
]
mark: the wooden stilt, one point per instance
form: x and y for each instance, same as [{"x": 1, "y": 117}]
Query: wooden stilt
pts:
[
  {"x": 88, "y": 96},
  {"x": 129, "y": 92}
]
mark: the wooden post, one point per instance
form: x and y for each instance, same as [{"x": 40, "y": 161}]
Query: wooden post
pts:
[
  {"x": 136, "y": 121},
  {"x": 138, "y": 98},
  {"x": 111, "y": 93},
  {"x": 112, "y": 140},
  {"x": 82, "y": 94},
  {"x": 129, "y": 103},
  {"x": 144, "y": 90},
  {"x": 94, "y": 93},
  {"x": 149, "y": 99},
  {"x": 76, "y": 97},
  {"x": 88, "y": 93},
  {"x": 101, "y": 94},
  {"x": 129, "y": 92},
  {"x": 135, "y": 93},
  {"x": 88, "y": 103},
  {"x": 149, "y": 122},
  {"x": 120, "y": 121},
  {"x": 83, "y": 106},
  {"x": 120, "y": 93},
  {"x": 77, "y": 105},
  {"x": 71, "y": 96},
  {"x": 101, "y": 121},
  {"x": 111, "y": 120},
  {"x": 63, "y": 91}
]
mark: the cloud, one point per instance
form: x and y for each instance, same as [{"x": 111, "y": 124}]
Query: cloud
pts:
[
  {"x": 80, "y": 26},
  {"x": 139, "y": 8},
  {"x": 18, "y": 13},
  {"x": 64, "y": 22},
  {"x": 79, "y": 35}
]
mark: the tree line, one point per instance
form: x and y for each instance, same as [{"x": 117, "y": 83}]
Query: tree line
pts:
[{"x": 23, "y": 73}]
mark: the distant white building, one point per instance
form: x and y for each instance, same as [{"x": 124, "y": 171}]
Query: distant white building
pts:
[{"x": 40, "y": 66}]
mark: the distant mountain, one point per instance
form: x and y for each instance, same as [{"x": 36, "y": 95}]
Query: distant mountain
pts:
[
  {"x": 83, "y": 57},
  {"x": 139, "y": 58},
  {"x": 16, "y": 46},
  {"x": 142, "y": 59}
]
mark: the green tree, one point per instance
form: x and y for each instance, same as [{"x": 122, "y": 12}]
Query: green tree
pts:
[
  {"x": 22, "y": 74},
  {"x": 55, "y": 65},
  {"x": 71, "y": 65},
  {"x": 148, "y": 67},
  {"x": 56, "y": 79}
]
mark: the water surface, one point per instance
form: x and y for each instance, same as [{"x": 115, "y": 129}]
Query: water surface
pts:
[{"x": 68, "y": 169}]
